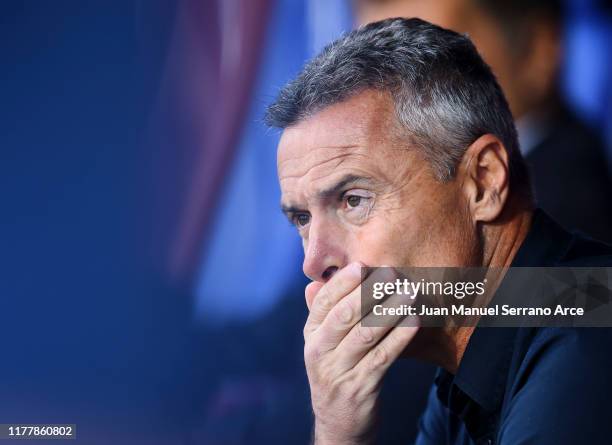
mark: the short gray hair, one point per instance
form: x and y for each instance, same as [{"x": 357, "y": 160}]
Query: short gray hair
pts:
[{"x": 445, "y": 95}]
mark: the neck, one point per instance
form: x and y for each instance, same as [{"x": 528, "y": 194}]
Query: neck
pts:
[
  {"x": 446, "y": 346},
  {"x": 503, "y": 239}
]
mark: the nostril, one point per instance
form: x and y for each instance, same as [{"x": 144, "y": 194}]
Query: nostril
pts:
[{"x": 329, "y": 272}]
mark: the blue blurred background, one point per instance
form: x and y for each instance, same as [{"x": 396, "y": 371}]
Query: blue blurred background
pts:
[{"x": 151, "y": 291}]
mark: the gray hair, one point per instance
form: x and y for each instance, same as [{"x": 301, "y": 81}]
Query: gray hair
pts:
[{"x": 445, "y": 95}]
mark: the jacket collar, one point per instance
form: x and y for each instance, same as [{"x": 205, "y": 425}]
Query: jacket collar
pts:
[{"x": 478, "y": 388}]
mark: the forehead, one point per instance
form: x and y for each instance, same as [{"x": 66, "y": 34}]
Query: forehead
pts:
[{"x": 348, "y": 130}]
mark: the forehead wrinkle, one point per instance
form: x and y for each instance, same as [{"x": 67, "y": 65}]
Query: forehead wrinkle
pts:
[
  {"x": 308, "y": 150},
  {"x": 340, "y": 158}
]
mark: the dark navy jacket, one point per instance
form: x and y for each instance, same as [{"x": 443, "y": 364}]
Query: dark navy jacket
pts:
[{"x": 545, "y": 386}]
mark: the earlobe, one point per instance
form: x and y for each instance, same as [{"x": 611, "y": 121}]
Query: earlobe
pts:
[{"x": 486, "y": 178}]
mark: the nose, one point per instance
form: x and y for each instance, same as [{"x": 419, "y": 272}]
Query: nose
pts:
[{"x": 324, "y": 252}]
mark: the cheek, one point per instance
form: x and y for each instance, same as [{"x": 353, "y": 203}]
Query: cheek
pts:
[
  {"x": 448, "y": 238},
  {"x": 388, "y": 241},
  {"x": 425, "y": 232}
]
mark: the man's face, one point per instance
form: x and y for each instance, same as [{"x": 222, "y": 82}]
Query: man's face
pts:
[{"x": 357, "y": 191}]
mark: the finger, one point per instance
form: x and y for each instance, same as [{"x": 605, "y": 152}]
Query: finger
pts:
[
  {"x": 339, "y": 321},
  {"x": 378, "y": 360},
  {"x": 371, "y": 330},
  {"x": 311, "y": 291},
  {"x": 341, "y": 284},
  {"x": 346, "y": 313}
]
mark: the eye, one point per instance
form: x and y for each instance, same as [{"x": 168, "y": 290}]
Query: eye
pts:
[
  {"x": 301, "y": 219},
  {"x": 356, "y": 205},
  {"x": 353, "y": 200}
]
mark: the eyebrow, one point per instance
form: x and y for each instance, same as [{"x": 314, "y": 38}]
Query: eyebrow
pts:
[
  {"x": 349, "y": 179},
  {"x": 345, "y": 181}
]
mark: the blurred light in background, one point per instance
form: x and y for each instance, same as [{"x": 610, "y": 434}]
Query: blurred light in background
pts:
[{"x": 587, "y": 69}]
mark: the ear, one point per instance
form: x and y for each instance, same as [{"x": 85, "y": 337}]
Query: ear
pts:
[{"x": 485, "y": 175}]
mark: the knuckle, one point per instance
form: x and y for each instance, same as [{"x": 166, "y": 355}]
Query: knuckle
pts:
[
  {"x": 325, "y": 300},
  {"x": 324, "y": 382},
  {"x": 351, "y": 391},
  {"x": 327, "y": 381},
  {"x": 312, "y": 353},
  {"x": 380, "y": 357},
  {"x": 344, "y": 313},
  {"x": 336, "y": 387},
  {"x": 365, "y": 335}
]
